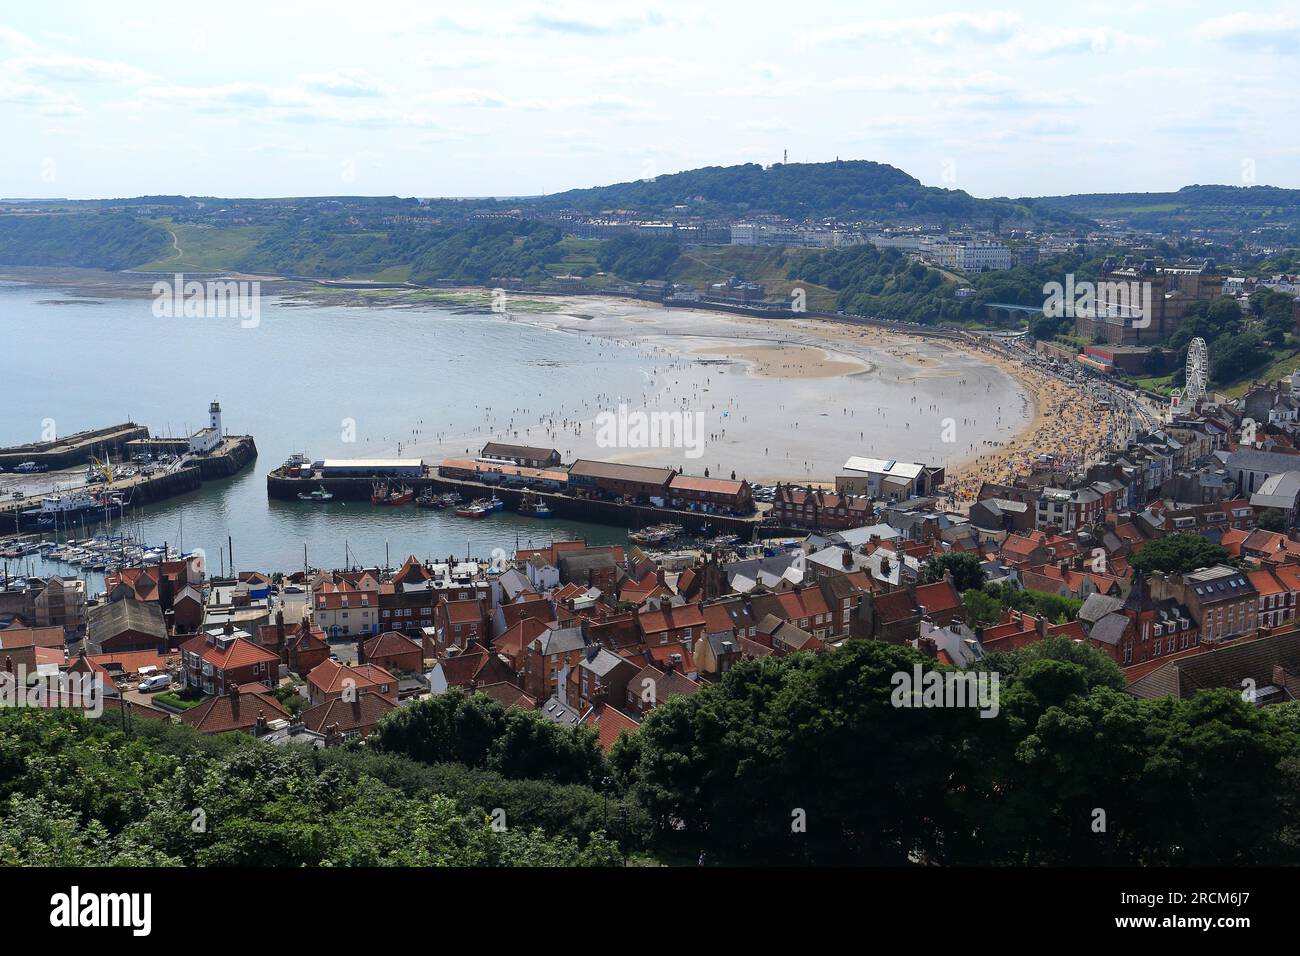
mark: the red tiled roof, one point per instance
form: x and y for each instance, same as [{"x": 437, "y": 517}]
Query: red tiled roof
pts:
[
  {"x": 227, "y": 712},
  {"x": 389, "y": 644},
  {"x": 715, "y": 486},
  {"x": 463, "y": 612},
  {"x": 463, "y": 668},
  {"x": 669, "y": 618},
  {"x": 329, "y": 676},
  {"x": 237, "y": 653},
  {"x": 610, "y": 724},
  {"x": 364, "y": 711},
  {"x": 939, "y": 596},
  {"x": 894, "y": 606},
  {"x": 508, "y": 695}
]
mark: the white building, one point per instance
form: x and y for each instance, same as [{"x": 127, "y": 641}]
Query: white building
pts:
[
  {"x": 972, "y": 255},
  {"x": 883, "y": 478},
  {"x": 206, "y": 439}
]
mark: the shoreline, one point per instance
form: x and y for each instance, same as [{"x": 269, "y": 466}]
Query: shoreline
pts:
[{"x": 775, "y": 356}]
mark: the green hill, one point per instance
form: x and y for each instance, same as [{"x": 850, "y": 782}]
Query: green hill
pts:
[{"x": 844, "y": 189}]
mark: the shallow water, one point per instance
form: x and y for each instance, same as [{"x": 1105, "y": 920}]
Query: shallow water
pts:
[{"x": 335, "y": 381}]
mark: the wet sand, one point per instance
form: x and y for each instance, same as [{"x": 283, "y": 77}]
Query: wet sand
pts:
[{"x": 786, "y": 399}]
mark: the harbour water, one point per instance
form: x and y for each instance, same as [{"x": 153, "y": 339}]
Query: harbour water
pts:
[{"x": 337, "y": 381}]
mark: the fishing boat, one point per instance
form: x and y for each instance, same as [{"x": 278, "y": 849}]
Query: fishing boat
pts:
[
  {"x": 385, "y": 495},
  {"x": 475, "y": 509},
  {"x": 533, "y": 506},
  {"x": 429, "y": 500},
  {"x": 655, "y": 534},
  {"x": 320, "y": 494},
  {"x": 494, "y": 503}
]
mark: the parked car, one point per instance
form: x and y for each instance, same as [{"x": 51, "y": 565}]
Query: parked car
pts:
[{"x": 155, "y": 682}]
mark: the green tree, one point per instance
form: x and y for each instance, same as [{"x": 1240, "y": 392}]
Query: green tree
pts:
[
  {"x": 963, "y": 565},
  {"x": 981, "y": 607},
  {"x": 1178, "y": 553}
]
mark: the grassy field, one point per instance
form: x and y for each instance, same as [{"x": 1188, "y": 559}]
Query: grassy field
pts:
[
  {"x": 1283, "y": 363},
  {"x": 578, "y": 257},
  {"x": 766, "y": 266},
  {"x": 204, "y": 248}
]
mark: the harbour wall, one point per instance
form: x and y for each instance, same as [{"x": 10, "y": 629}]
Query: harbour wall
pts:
[
  {"x": 229, "y": 460},
  {"x": 281, "y": 487},
  {"x": 74, "y": 449}
]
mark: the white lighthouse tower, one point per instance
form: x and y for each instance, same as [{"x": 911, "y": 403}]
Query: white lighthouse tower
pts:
[{"x": 205, "y": 440}]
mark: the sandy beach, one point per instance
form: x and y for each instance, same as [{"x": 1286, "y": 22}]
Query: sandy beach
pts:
[{"x": 771, "y": 399}]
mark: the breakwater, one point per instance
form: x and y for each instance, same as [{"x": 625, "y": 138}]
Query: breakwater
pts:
[
  {"x": 229, "y": 459},
  {"x": 281, "y": 486},
  {"x": 76, "y": 449}
]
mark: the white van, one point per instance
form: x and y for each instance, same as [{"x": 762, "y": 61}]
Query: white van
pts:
[{"x": 155, "y": 682}]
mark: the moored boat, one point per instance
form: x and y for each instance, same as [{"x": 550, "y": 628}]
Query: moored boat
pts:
[
  {"x": 533, "y": 506},
  {"x": 384, "y": 495},
  {"x": 475, "y": 509}
]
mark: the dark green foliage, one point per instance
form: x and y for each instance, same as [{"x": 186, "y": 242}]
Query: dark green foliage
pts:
[
  {"x": 964, "y": 566},
  {"x": 981, "y": 607},
  {"x": 883, "y": 284},
  {"x": 812, "y": 738},
  {"x": 478, "y": 732},
  {"x": 1055, "y": 608},
  {"x": 467, "y": 253},
  {"x": 1276, "y": 310},
  {"x": 841, "y": 189},
  {"x": 1179, "y": 553},
  {"x": 75, "y": 791},
  {"x": 1256, "y": 208},
  {"x": 1189, "y": 782},
  {"x": 638, "y": 258},
  {"x": 84, "y": 240},
  {"x": 1273, "y": 520}
]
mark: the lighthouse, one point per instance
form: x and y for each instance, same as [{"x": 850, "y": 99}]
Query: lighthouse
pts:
[{"x": 207, "y": 439}]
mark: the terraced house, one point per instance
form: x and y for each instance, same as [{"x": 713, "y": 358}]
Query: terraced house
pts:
[
  {"x": 795, "y": 507},
  {"x": 345, "y": 605},
  {"x": 1221, "y": 599}
]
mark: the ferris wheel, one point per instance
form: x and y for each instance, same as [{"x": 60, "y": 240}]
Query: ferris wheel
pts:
[{"x": 1197, "y": 373}]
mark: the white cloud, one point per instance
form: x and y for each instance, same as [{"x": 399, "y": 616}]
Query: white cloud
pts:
[
  {"x": 942, "y": 31},
  {"x": 1253, "y": 32},
  {"x": 567, "y": 18},
  {"x": 1075, "y": 40},
  {"x": 46, "y": 101},
  {"x": 466, "y": 59},
  {"x": 345, "y": 82},
  {"x": 15, "y": 41},
  {"x": 80, "y": 69}
]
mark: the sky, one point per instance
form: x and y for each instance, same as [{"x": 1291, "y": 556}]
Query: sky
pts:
[{"x": 520, "y": 97}]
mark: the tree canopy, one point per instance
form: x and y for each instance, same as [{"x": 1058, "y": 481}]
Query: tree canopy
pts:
[{"x": 1179, "y": 553}]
